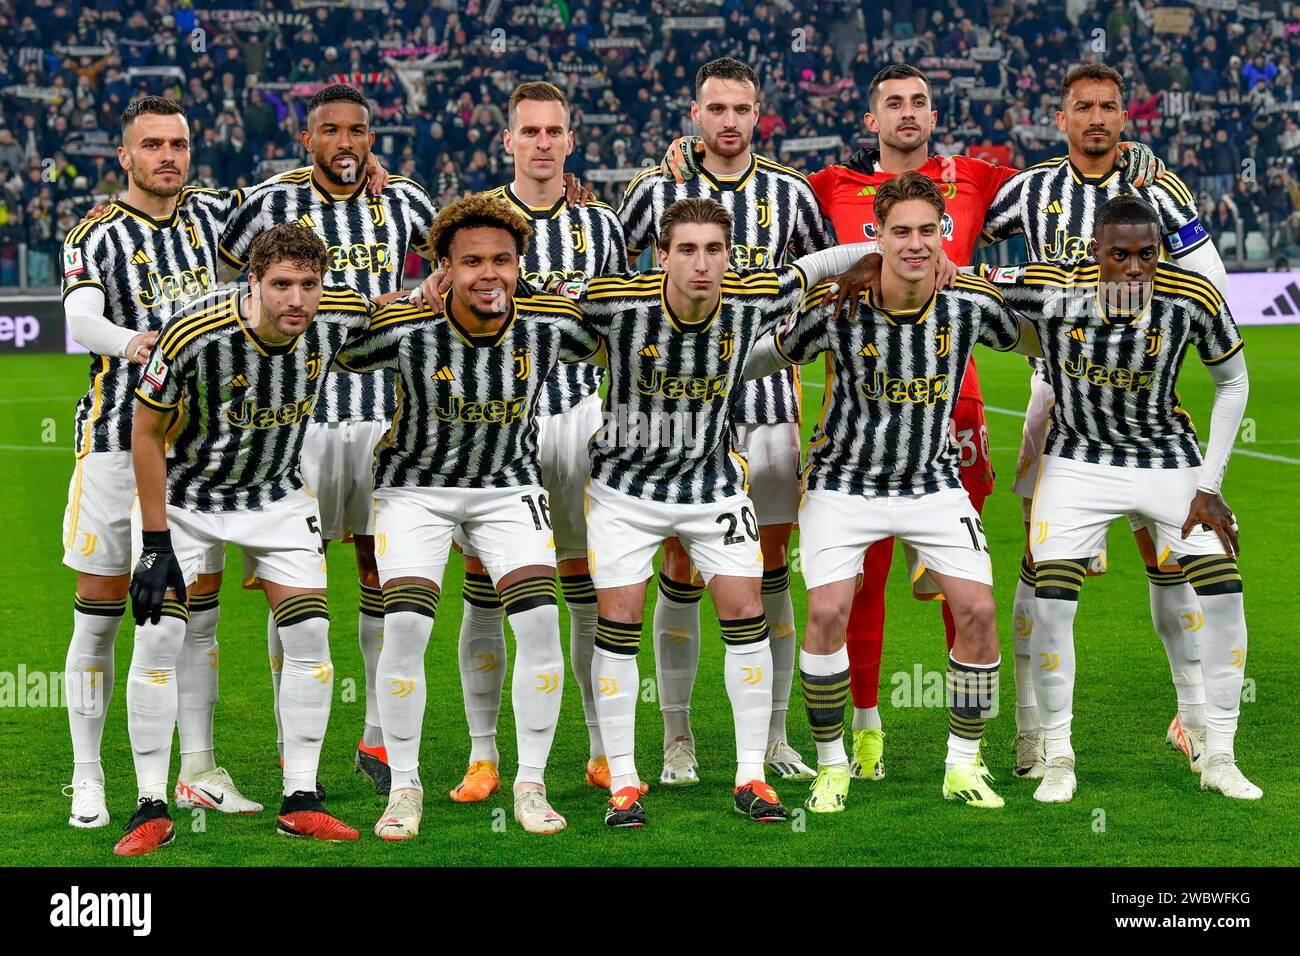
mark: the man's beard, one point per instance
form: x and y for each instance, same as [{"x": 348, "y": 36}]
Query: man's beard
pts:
[
  {"x": 358, "y": 171},
  {"x": 1091, "y": 148},
  {"x": 896, "y": 142},
  {"x": 715, "y": 146},
  {"x": 153, "y": 186}
]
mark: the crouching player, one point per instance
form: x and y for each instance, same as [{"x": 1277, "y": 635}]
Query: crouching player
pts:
[{"x": 241, "y": 374}]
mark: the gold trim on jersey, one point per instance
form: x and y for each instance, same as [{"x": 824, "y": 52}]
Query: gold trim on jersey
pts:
[
  {"x": 1082, "y": 179},
  {"x": 148, "y": 220},
  {"x": 773, "y": 165},
  {"x": 487, "y": 340},
  {"x": 733, "y": 183},
  {"x": 154, "y": 403},
  {"x": 638, "y": 285},
  {"x": 682, "y": 326},
  {"x": 81, "y": 282},
  {"x": 974, "y": 283},
  {"x": 905, "y": 316},
  {"x": 78, "y": 233},
  {"x": 263, "y": 347},
  {"x": 329, "y": 198},
  {"x": 1225, "y": 356},
  {"x": 1175, "y": 187},
  {"x": 98, "y": 385},
  {"x": 185, "y": 330},
  {"x": 1132, "y": 317}
]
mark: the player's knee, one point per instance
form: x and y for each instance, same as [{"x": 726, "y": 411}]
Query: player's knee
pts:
[
  {"x": 1060, "y": 580},
  {"x": 618, "y": 637},
  {"x": 304, "y": 625},
  {"x": 159, "y": 645},
  {"x": 827, "y": 623},
  {"x": 1211, "y": 574}
]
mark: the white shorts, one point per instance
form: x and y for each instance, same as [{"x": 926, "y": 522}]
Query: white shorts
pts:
[
  {"x": 282, "y": 539},
  {"x": 773, "y": 455},
  {"x": 566, "y": 465},
  {"x": 1076, "y": 501},
  {"x": 97, "y": 520},
  {"x": 939, "y": 532},
  {"x": 623, "y": 534},
  {"x": 507, "y": 529},
  {"x": 1032, "y": 439},
  {"x": 338, "y": 461}
]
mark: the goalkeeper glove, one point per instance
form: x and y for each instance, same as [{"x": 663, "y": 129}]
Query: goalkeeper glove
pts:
[
  {"x": 157, "y": 572},
  {"x": 1139, "y": 164},
  {"x": 682, "y": 161}
]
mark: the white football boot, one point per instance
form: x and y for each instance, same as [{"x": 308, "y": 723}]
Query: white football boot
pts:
[
  {"x": 213, "y": 790},
  {"x": 784, "y": 761},
  {"x": 1221, "y": 775},
  {"x": 1058, "y": 784},
  {"x": 680, "y": 768},
  {"x": 89, "y": 808},
  {"x": 535, "y": 814},
  {"x": 401, "y": 819}
]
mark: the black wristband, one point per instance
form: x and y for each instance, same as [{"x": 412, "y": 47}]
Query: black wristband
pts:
[{"x": 157, "y": 540}]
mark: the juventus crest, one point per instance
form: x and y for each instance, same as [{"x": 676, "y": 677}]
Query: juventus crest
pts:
[
  {"x": 523, "y": 362},
  {"x": 579, "y": 238},
  {"x": 377, "y": 214},
  {"x": 728, "y": 347},
  {"x": 313, "y": 366},
  {"x": 1154, "y": 339},
  {"x": 942, "y": 341}
]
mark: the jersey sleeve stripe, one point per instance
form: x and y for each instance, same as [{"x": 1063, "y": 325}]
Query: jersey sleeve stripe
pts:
[
  {"x": 1226, "y": 355},
  {"x": 85, "y": 282},
  {"x": 154, "y": 403}
]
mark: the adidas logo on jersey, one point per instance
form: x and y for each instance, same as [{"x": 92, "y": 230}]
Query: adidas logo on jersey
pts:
[
  {"x": 869, "y": 351},
  {"x": 306, "y": 221},
  {"x": 1053, "y": 208},
  {"x": 650, "y": 351},
  {"x": 238, "y": 381},
  {"x": 141, "y": 258},
  {"x": 443, "y": 374},
  {"x": 1079, "y": 335}
]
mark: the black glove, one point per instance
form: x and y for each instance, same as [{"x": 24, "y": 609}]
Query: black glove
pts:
[{"x": 157, "y": 572}]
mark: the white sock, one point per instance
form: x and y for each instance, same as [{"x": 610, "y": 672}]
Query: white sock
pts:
[
  {"x": 408, "y": 621},
  {"x": 197, "y": 671},
  {"x": 747, "y": 669},
  {"x": 1177, "y": 617},
  {"x": 825, "y": 679},
  {"x": 677, "y": 655},
  {"x": 1223, "y": 647},
  {"x": 866, "y": 718},
  {"x": 1053, "y": 636},
  {"x": 537, "y": 684},
  {"x": 617, "y": 681},
  {"x": 88, "y": 681},
  {"x": 482, "y": 655},
  {"x": 580, "y": 596},
  {"x": 961, "y": 750},
  {"x": 779, "y": 610},
  {"x": 151, "y": 699},
  {"x": 275, "y": 653},
  {"x": 1022, "y": 628},
  {"x": 370, "y": 635},
  {"x": 306, "y": 687}
]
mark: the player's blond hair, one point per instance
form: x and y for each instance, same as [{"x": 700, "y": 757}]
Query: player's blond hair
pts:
[
  {"x": 537, "y": 92},
  {"x": 288, "y": 242},
  {"x": 703, "y": 211},
  {"x": 477, "y": 210},
  {"x": 910, "y": 185}
]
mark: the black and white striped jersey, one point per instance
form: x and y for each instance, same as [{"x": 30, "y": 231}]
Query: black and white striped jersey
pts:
[
  {"x": 569, "y": 244},
  {"x": 1113, "y": 378},
  {"x": 145, "y": 267},
  {"x": 367, "y": 238},
  {"x": 775, "y": 215},
  {"x": 242, "y": 404},
  {"x": 1055, "y": 207},
  {"x": 465, "y": 416},
  {"x": 667, "y": 433},
  {"x": 884, "y": 427}
]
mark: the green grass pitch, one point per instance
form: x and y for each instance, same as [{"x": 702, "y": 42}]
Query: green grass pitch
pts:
[{"x": 1137, "y": 803}]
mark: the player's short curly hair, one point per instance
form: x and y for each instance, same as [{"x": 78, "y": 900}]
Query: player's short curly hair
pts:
[
  {"x": 288, "y": 242},
  {"x": 895, "y": 71},
  {"x": 910, "y": 185},
  {"x": 698, "y": 210},
  {"x": 477, "y": 210},
  {"x": 338, "y": 93},
  {"x": 156, "y": 105},
  {"x": 1126, "y": 210},
  {"x": 1092, "y": 71}
]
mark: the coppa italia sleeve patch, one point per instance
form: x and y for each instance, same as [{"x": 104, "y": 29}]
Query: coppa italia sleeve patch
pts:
[
  {"x": 156, "y": 372},
  {"x": 72, "y": 264},
  {"x": 1186, "y": 238}
]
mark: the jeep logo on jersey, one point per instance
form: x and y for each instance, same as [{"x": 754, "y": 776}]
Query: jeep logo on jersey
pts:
[
  {"x": 764, "y": 213},
  {"x": 160, "y": 288},
  {"x": 494, "y": 412},
  {"x": 921, "y": 391},
  {"x": 945, "y": 228},
  {"x": 728, "y": 347},
  {"x": 377, "y": 214},
  {"x": 1065, "y": 247},
  {"x": 579, "y": 238},
  {"x": 1126, "y": 378},
  {"x": 750, "y": 257},
  {"x": 251, "y": 415},
  {"x": 523, "y": 362},
  {"x": 671, "y": 386},
  {"x": 1154, "y": 339},
  {"x": 942, "y": 341},
  {"x": 313, "y": 366},
  {"x": 364, "y": 257}
]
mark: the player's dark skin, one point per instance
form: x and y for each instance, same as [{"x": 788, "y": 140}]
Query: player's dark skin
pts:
[{"x": 1128, "y": 254}]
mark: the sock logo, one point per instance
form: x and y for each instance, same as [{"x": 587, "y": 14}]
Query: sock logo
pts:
[
  {"x": 277, "y": 664},
  {"x": 402, "y": 688},
  {"x": 1238, "y": 657},
  {"x": 323, "y": 672},
  {"x": 548, "y": 682},
  {"x": 1192, "y": 621},
  {"x": 488, "y": 662},
  {"x": 1023, "y": 625},
  {"x": 752, "y": 675},
  {"x": 1050, "y": 661},
  {"x": 676, "y": 635},
  {"x": 608, "y": 686},
  {"x": 155, "y": 677}
]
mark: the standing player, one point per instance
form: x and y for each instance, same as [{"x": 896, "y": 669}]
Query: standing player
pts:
[
  {"x": 664, "y": 466},
  {"x": 120, "y": 272},
  {"x": 368, "y": 236},
  {"x": 568, "y": 242},
  {"x": 774, "y": 213},
  {"x": 881, "y": 464},
  {"x": 1054, "y": 206},
  {"x": 242, "y": 372},
  {"x": 1115, "y": 332},
  {"x": 462, "y": 460}
]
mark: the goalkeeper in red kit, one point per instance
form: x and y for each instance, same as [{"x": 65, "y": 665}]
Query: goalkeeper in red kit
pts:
[{"x": 902, "y": 117}]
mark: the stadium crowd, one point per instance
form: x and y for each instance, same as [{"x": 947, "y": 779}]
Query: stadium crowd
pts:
[{"x": 1213, "y": 90}]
